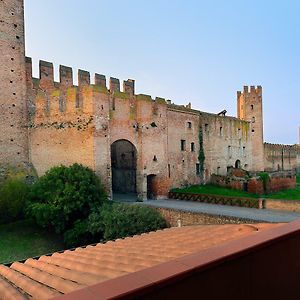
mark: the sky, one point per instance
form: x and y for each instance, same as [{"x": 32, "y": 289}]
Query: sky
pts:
[{"x": 195, "y": 51}]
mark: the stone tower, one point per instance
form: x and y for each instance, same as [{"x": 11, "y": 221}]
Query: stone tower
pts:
[
  {"x": 249, "y": 108},
  {"x": 14, "y": 137}
]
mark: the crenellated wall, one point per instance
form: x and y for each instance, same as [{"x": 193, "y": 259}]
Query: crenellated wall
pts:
[
  {"x": 48, "y": 123},
  {"x": 280, "y": 157},
  {"x": 71, "y": 123},
  {"x": 174, "y": 145}
]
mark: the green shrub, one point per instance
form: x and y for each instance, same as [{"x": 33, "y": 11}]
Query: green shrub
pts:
[
  {"x": 80, "y": 235},
  {"x": 13, "y": 194},
  {"x": 64, "y": 196},
  {"x": 265, "y": 178},
  {"x": 122, "y": 220}
]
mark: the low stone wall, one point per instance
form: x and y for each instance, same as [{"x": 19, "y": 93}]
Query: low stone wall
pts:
[
  {"x": 217, "y": 199},
  {"x": 290, "y": 205},
  {"x": 278, "y": 181},
  {"x": 177, "y": 218}
]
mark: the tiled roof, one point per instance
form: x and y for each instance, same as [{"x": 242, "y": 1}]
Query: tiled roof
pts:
[{"x": 62, "y": 273}]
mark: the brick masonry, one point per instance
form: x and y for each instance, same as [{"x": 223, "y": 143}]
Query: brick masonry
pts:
[
  {"x": 177, "y": 218},
  {"x": 47, "y": 123},
  {"x": 293, "y": 205},
  {"x": 277, "y": 181}
]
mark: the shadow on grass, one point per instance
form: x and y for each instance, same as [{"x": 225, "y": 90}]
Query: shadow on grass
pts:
[{"x": 23, "y": 239}]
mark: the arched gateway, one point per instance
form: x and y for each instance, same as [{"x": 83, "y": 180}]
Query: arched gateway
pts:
[{"x": 123, "y": 163}]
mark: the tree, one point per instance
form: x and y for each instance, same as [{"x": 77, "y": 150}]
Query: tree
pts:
[{"x": 65, "y": 195}]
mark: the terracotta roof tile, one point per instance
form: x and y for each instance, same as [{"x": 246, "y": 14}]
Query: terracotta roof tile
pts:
[{"x": 62, "y": 273}]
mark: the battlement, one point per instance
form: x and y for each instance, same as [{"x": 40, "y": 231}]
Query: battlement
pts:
[
  {"x": 46, "y": 78},
  {"x": 281, "y": 147},
  {"x": 250, "y": 90},
  {"x": 53, "y": 100}
]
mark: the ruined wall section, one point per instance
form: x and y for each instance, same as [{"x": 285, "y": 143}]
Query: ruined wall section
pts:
[
  {"x": 14, "y": 139},
  {"x": 249, "y": 108},
  {"x": 227, "y": 143},
  {"x": 280, "y": 157}
]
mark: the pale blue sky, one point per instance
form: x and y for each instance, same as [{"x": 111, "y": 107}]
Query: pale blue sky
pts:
[{"x": 184, "y": 50}]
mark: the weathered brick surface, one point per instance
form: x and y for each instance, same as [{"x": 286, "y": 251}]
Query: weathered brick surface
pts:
[
  {"x": 280, "y": 157},
  {"x": 277, "y": 184},
  {"x": 13, "y": 138},
  {"x": 49, "y": 123},
  {"x": 255, "y": 186},
  {"x": 293, "y": 205},
  {"x": 250, "y": 109},
  {"x": 277, "y": 181},
  {"x": 175, "y": 218}
]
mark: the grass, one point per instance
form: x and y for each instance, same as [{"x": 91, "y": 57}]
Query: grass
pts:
[
  {"x": 23, "y": 239},
  {"x": 292, "y": 194},
  {"x": 214, "y": 190}
]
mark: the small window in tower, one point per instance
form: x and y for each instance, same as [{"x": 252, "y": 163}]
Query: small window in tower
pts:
[
  {"x": 221, "y": 131},
  {"x": 229, "y": 151},
  {"x": 182, "y": 145},
  {"x": 193, "y": 147},
  {"x": 189, "y": 125},
  {"x": 253, "y": 119},
  {"x": 253, "y": 130},
  {"x": 252, "y": 106}
]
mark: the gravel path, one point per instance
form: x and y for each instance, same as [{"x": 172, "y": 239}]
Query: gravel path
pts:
[{"x": 264, "y": 215}]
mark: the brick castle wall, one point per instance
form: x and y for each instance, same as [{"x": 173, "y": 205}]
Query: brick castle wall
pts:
[
  {"x": 49, "y": 123},
  {"x": 13, "y": 121}
]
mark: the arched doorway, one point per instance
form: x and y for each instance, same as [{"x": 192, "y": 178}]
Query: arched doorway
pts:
[
  {"x": 123, "y": 164},
  {"x": 238, "y": 164}
]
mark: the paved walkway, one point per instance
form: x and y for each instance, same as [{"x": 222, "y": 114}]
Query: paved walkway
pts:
[{"x": 263, "y": 215}]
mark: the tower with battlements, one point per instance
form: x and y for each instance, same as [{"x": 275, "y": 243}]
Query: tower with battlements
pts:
[
  {"x": 135, "y": 143},
  {"x": 13, "y": 124},
  {"x": 249, "y": 108}
]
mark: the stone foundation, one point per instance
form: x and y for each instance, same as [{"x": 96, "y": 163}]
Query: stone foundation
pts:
[
  {"x": 177, "y": 218},
  {"x": 290, "y": 205}
]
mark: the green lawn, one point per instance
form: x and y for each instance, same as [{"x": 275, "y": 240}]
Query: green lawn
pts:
[
  {"x": 292, "y": 194},
  {"x": 214, "y": 190},
  {"x": 23, "y": 239}
]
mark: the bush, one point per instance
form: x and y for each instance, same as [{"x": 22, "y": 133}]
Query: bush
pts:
[
  {"x": 80, "y": 235},
  {"x": 122, "y": 220},
  {"x": 65, "y": 196},
  {"x": 13, "y": 194},
  {"x": 265, "y": 178}
]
